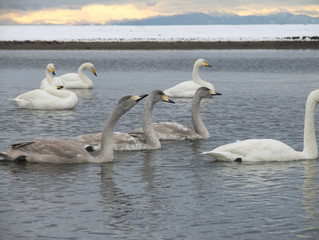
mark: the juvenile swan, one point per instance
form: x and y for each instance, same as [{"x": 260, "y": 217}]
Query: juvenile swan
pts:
[
  {"x": 53, "y": 97},
  {"x": 187, "y": 89},
  {"x": 124, "y": 141},
  {"x": 66, "y": 151},
  {"x": 255, "y": 150},
  {"x": 75, "y": 80},
  {"x": 177, "y": 131}
]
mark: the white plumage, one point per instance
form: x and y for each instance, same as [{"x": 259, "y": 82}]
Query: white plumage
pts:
[
  {"x": 258, "y": 150},
  {"x": 187, "y": 89},
  {"x": 74, "y": 80},
  {"x": 53, "y": 97}
]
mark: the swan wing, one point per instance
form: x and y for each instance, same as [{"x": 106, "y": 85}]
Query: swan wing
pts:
[
  {"x": 35, "y": 99},
  {"x": 255, "y": 150},
  {"x": 73, "y": 80},
  {"x": 168, "y": 131},
  {"x": 121, "y": 142},
  {"x": 91, "y": 142},
  {"x": 184, "y": 90},
  {"x": 125, "y": 142},
  {"x": 174, "y": 131},
  {"x": 70, "y": 77},
  {"x": 47, "y": 150},
  {"x": 41, "y": 99}
]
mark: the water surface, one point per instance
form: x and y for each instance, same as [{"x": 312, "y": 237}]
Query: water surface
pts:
[{"x": 172, "y": 193}]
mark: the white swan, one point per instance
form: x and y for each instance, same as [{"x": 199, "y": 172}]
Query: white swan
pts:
[
  {"x": 48, "y": 78},
  {"x": 124, "y": 141},
  {"x": 255, "y": 150},
  {"x": 74, "y": 80},
  {"x": 187, "y": 89},
  {"x": 177, "y": 131},
  {"x": 52, "y": 97},
  {"x": 66, "y": 151}
]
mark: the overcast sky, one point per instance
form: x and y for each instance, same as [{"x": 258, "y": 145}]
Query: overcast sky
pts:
[{"x": 72, "y": 12}]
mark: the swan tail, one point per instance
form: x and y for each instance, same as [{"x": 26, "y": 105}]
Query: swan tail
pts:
[
  {"x": 4, "y": 155},
  {"x": 12, "y": 157},
  {"x": 222, "y": 156},
  {"x": 21, "y": 102}
]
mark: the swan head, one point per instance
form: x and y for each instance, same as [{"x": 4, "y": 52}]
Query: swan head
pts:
[
  {"x": 57, "y": 83},
  {"x": 201, "y": 63},
  {"x": 130, "y": 101},
  {"x": 91, "y": 67},
  {"x": 159, "y": 96},
  {"x": 50, "y": 68},
  {"x": 314, "y": 95},
  {"x": 206, "y": 92}
]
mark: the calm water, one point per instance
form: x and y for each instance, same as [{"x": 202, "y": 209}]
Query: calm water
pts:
[{"x": 172, "y": 193}]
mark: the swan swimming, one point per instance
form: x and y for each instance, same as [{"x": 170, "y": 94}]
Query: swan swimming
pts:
[
  {"x": 74, "y": 80},
  {"x": 48, "y": 78},
  {"x": 124, "y": 141},
  {"x": 53, "y": 97},
  {"x": 257, "y": 150},
  {"x": 177, "y": 131},
  {"x": 187, "y": 89},
  {"x": 66, "y": 151}
]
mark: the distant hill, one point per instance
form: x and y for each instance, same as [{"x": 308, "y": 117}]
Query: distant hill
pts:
[{"x": 205, "y": 19}]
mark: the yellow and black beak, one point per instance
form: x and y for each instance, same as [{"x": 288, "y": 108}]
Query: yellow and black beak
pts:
[
  {"x": 212, "y": 92},
  {"x": 59, "y": 87},
  {"x": 206, "y": 64},
  {"x": 166, "y": 99},
  {"x": 138, "y": 97},
  {"x": 93, "y": 71},
  {"x": 52, "y": 71}
]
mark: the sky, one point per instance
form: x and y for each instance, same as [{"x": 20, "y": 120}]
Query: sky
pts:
[{"x": 97, "y": 12}]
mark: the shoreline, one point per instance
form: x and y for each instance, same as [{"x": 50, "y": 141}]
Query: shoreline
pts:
[{"x": 144, "y": 45}]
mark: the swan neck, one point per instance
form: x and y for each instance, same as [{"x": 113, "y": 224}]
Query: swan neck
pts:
[
  {"x": 48, "y": 76},
  {"x": 196, "y": 77},
  {"x": 310, "y": 142},
  {"x": 198, "y": 124},
  {"x": 106, "y": 153},
  {"x": 151, "y": 138},
  {"x": 83, "y": 76}
]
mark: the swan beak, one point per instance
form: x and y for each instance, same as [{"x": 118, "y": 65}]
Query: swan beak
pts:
[
  {"x": 212, "y": 92},
  {"x": 166, "y": 99},
  {"x": 52, "y": 71},
  {"x": 207, "y": 65},
  {"x": 139, "y": 97},
  {"x": 93, "y": 71},
  {"x": 59, "y": 87}
]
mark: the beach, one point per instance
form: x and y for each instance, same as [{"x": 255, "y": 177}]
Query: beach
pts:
[
  {"x": 160, "y": 37},
  {"x": 147, "y": 45}
]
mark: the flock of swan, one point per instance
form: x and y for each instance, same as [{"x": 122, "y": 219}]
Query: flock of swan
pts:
[{"x": 53, "y": 94}]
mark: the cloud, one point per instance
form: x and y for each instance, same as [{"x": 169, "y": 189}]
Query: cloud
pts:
[
  {"x": 90, "y": 14},
  {"x": 75, "y": 12}
]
